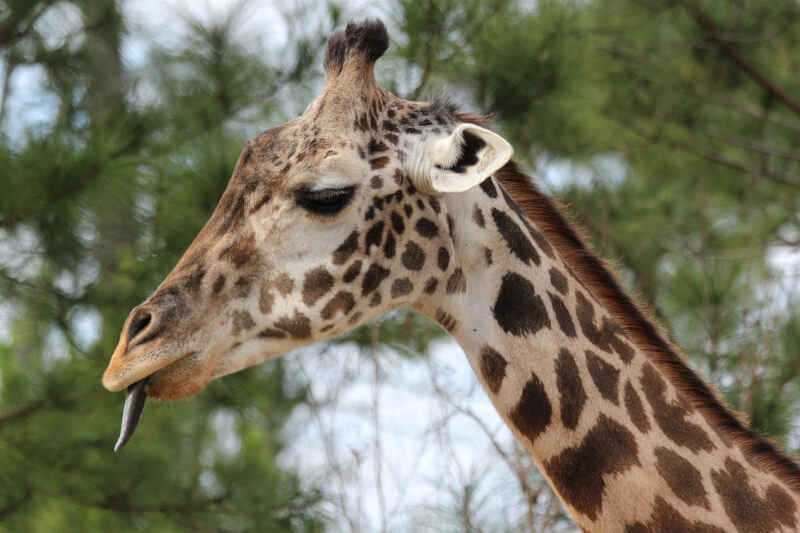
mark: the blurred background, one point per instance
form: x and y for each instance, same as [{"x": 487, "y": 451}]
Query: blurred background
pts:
[{"x": 670, "y": 128}]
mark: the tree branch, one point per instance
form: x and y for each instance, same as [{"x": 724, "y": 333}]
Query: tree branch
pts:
[
  {"x": 20, "y": 411},
  {"x": 761, "y": 149},
  {"x": 716, "y": 157},
  {"x": 756, "y": 112},
  {"x": 758, "y": 170},
  {"x": 716, "y": 38}
]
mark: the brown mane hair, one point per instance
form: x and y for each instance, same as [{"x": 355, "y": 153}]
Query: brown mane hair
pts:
[{"x": 548, "y": 217}]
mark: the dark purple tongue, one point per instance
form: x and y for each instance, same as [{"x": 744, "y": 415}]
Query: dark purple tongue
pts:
[{"x": 131, "y": 412}]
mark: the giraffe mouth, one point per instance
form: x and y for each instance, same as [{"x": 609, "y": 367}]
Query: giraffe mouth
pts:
[{"x": 135, "y": 397}]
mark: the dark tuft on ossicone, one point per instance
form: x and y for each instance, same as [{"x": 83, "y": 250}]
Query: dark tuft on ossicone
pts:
[
  {"x": 335, "y": 51},
  {"x": 368, "y": 38}
]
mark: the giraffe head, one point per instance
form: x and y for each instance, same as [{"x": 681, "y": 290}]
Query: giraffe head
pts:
[{"x": 328, "y": 220}]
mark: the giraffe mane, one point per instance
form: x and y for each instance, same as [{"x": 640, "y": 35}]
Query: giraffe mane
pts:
[{"x": 568, "y": 239}]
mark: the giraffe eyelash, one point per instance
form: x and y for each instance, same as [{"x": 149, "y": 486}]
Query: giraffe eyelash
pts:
[{"x": 327, "y": 201}]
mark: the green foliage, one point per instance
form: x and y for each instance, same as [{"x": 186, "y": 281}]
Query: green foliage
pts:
[{"x": 100, "y": 199}]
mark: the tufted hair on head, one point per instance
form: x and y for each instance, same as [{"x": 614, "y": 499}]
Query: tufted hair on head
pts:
[{"x": 368, "y": 38}]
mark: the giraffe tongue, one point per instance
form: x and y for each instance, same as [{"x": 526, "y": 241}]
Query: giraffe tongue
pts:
[{"x": 131, "y": 412}]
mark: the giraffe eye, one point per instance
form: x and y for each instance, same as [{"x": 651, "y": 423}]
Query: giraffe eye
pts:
[{"x": 324, "y": 201}]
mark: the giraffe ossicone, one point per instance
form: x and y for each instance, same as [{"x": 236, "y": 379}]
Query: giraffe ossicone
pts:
[{"x": 367, "y": 203}]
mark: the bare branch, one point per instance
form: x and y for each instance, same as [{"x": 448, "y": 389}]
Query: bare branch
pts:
[
  {"x": 756, "y": 112},
  {"x": 20, "y": 411},
  {"x": 761, "y": 149},
  {"x": 376, "y": 425},
  {"x": 716, "y": 38},
  {"x": 757, "y": 170}
]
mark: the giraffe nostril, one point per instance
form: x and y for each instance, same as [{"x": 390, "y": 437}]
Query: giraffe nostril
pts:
[{"x": 139, "y": 323}]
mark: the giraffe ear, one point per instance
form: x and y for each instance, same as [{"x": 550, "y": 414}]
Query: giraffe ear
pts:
[{"x": 462, "y": 160}]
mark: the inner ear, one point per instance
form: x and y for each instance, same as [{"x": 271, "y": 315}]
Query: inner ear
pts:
[
  {"x": 471, "y": 145},
  {"x": 459, "y": 161}
]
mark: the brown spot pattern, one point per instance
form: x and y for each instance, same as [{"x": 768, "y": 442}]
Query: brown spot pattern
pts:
[
  {"x": 540, "y": 239},
  {"x": 397, "y": 223},
  {"x": 242, "y": 287},
  {"x": 298, "y": 326},
  {"x": 518, "y": 243},
  {"x": 374, "y": 236},
  {"x": 242, "y": 321},
  {"x": 265, "y": 298},
  {"x": 443, "y": 259},
  {"x": 389, "y": 246},
  {"x": 346, "y": 249},
  {"x": 606, "y": 338},
  {"x": 219, "y": 283},
  {"x": 398, "y": 175},
  {"x": 430, "y": 286},
  {"x": 401, "y": 287},
  {"x": 283, "y": 283},
  {"x": 748, "y": 511},
  {"x": 342, "y": 301},
  {"x": 447, "y": 320},
  {"x": 533, "y": 412},
  {"x": 578, "y": 472},
  {"x": 477, "y": 216},
  {"x": 493, "y": 368},
  {"x": 373, "y": 277},
  {"x": 666, "y": 519},
  {"x": 683, "y": 478},
  {"x": 518, "y": 309},
  {"x": 571, "y": 394},
  {"x": 457, "y": 282},
  {"x": 269, "y": 333},
  {"x": 240, "y": 251},
  {"x": 427, "y": 228},
  {"x": 413, "y": 258},
  {"x": 670, "y": 417},
  {"x": 487, "y": 186},
  {"x": 376, "y": 299},
  {"x": 451, "y": 227},
  {"x": 562, "y": 316},
  {"x": 604, "y": 375},
  {"x": 194, "y": 280},
  {"x": 635, "y": 408},
  {"x": 558, "y": 280},
  {"x": 379, "y": 162},
  {"x": 352, "y": 271},
  {"x": 317, "y": 283}
]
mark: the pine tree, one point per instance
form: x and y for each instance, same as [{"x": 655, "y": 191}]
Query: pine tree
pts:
[{"x": 100, "y": 198}]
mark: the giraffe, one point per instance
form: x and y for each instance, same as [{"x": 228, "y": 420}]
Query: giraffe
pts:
[{"x": 367, "y": 203}]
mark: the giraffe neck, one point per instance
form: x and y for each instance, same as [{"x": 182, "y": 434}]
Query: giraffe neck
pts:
[{"x": 615, "y": 439}]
